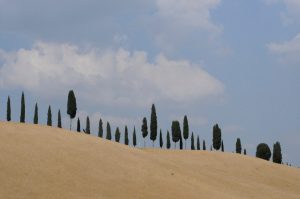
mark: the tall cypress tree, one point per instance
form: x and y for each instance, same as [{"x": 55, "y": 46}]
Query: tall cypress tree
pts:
[
  {"x": 168, "y": 140},
  {"x": 198, "y": 143},
  {"x": 49, "y": 117},
  {"x": 22, "y": 115},
  {"x": 175, "y": 131},
  {"x": 217, "y": 138},
  {"x": 100, "y": 128},
  {"x": 153, "y": 125},
  {"x": 108, "y": 131},
  {"x": 78, "y": 125},
  {"x": 72, "y": 106},
  {"x": 126, "y": 140},
  {"x": 8, "y": 110},
  {"x": 117, "y": 135},
  {"x": 134, "y": 137},
  {"x": 180, "y": 142},
  {"x": 36, "y": 114},
  {"x": 203, "y": 145},
  {"x": 59, "y": 119},
  {"x": 277, "y": 156},
  {"x": 144, "y": 129},
  {"x": 87, "y": 127},
  {"x": 238, "y": 146},
  {"x": 161, "y": 142},
  {"x": 185, "y": 130},
  {"x": 192, "y": 142},
  {"x": 222, "y": 146}
]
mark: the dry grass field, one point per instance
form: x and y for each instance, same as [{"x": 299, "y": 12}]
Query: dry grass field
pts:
[{"x": 39, "y": 162}]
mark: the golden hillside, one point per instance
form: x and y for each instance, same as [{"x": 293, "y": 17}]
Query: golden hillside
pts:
[{"x": 39, "y": 162}]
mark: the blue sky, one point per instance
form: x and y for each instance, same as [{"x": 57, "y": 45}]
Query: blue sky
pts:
[{"x": 235, "y": 63}]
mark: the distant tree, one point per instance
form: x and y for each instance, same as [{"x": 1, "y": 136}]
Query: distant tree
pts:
[
  {"x": 185, "y": 130},
  {"x": 161, "y": 142},
  {"x": 117, "y": 135},
  {"x": 100, "y": 128},
  {"x": 22, "y": 115},
  {"x": 180, "y": 142},
  {"x": 245, "y": 152},
  {"x": 198, "y": 143},
  {"x": 238, "y": 146},
  {"x": 59, "y": 120},
  {"x": 192, "y": 142},
  {"x": 263, "y": 151},
  {"x": 222, "y": 146},
  {"x": 87, "y": 128},
  {"x": 153, "y": 125},
  {"x": 78, "y": 125},
  {"x": 72, "y": 106},
  {"x": 203, "y": 145},
  {"x": 175, "y": 131},
  {"x": 108, "y": 131},
  {"x": 217, "y": 137},
  {"x": 134, "y": 137},
  {"x": 8, "y": 110},
  {"x": 168, "y": 140},
  {"x": 126, "y": 140},
  {"x": 211, "y": 148},
  {"x": 49, "y": 117},
  {"x": 36, "y": 114},
  {"x": 277, "y": 156},
  {"x": 144, "y": 129}
]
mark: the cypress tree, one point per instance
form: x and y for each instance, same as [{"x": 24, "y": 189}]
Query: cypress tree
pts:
[
  {"x": 185, "y": 130},
  {"x": 238, "y": 146},
  {"x": 160, "y": 139},
  {"x": 72, "y": 106},
  {"x": 49, "y": 117},
  {"x": 134, "y": 137},
  {"x": 192, "y": 142},
  {"x": 211, "y": 148},
  {"x": 36, "y": 114},
  {"x": 59, "y": 120},
  {"x": 180, "y": 142},
  {"x": 78, "y": 125},
  {"x": 87, "y": 128},
  {"x": 117, "y": 135},
  {"x": 153, "y": 125},
  {"x": 222, "y": 146},
  {"x": 277, "y": 156},
  {"x": 168, "y": 140},
  {"x": 245, "y": 152},
  {"x": 126, "y": 140},
  {"x": 22, "y": 115},
  {"x": 8, "y": 110},
  {"x": 108, "y": 131},
  {"x": 217, "y": 138},
  {"x": 198, "y": 143},
  {"x": 100, "y": 128},
  {"x": 144, "y": 129},
  {"x": 263, "y": 151},
  {"x": 203, "y": 145},
  {"x": 176, "y": 132}
]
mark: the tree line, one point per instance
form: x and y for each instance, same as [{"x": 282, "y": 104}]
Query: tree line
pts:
[{"x": 262, "y": 151}]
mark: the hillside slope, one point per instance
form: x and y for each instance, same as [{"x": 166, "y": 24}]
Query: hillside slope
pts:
[{"x": 38, "y": 162}]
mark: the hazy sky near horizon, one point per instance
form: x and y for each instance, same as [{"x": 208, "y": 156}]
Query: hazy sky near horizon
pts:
[{"x": 235, "y": 63}]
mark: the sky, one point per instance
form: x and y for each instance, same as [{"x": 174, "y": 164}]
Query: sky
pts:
[{"x": 235, "y": 63}]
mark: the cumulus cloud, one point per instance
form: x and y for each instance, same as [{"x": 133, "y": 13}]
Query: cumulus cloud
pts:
[{"x": 113, "y": 77}]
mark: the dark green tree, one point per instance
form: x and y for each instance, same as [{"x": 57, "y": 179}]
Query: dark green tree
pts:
[
  {"x": 100, "y": 128},
  {"x": 245, "y": 152},
  {"x": 180, "y": 142},
  {"x": 153, "y": 125},
  {"x": 59, "y": 120},
  {"x": 134, "y": 137},
  {"x": 168, "y": 140},
  {"x": 185, "y": 130},
  {"x": 176, "y": 132},
  {"x": 78, "y": 125},
  {"x": 126, "y": 140},
  {"x": 117, "y": 135},
  {"x": 198, "y": 143},
  {"x": 238, "y": 146},
  {"x": 203, "y": 145},
  {"x": 8, "y": 110},
  {"x": 72, "y": 106},
  {"x": 161, "y": 142},
  {"x": 263, "y": 151},
  {"x": 192, "y": 142},
  {"x": 87, "y": 127},
  {"x": 36, "y": 114},
  {"x": 222, "y": 146},
  {"x": 277, "y": 156},
  {"x": 22, "y": 115},
  {"x": 49, "y": 117},
  {"x": 217, "y": 138},
  {"x": 108, "y": 131},
  {"x": 144, "y": 129}
]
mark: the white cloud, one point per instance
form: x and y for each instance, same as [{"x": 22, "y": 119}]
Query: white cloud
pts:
[{"x": 112, "y": 77}]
